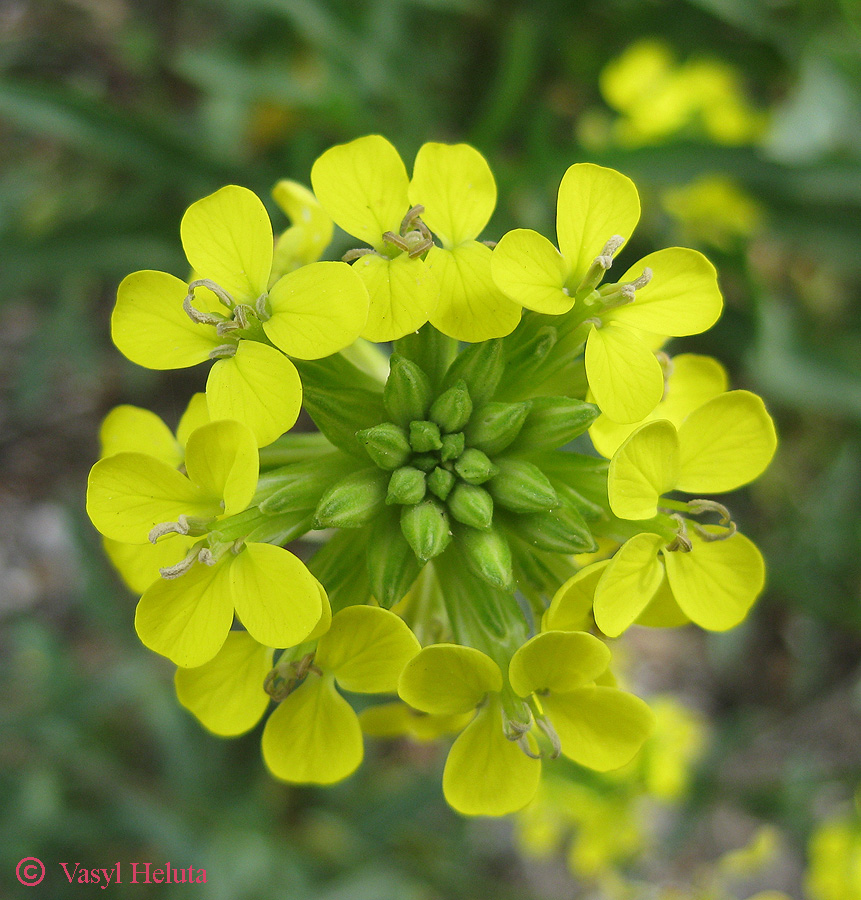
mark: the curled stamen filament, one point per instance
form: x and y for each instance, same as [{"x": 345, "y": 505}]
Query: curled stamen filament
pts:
[{"x": 219, "y": 292}]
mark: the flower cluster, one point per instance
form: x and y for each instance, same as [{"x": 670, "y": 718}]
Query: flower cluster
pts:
[{"x": 523, "y": 474}]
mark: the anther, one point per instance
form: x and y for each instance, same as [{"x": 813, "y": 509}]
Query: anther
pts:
[
  {"x": 198, "y": 317},
  {"x": 171, "y": 572},
  {"x": 223, "y": 351},
  {"x": 263, "y": 308},
  {"x": 206, "y": 556},
  {"x": 219, "y": 292},
  {"x": 353, "y": 255},
  {"x": 178, "y": 527},
  {"x": 410, "y": 218},
  {"x": 599, "y": 266},
  {"x": 523, "y": 743},
  {"x": 701, "y": 506},
  {"x": 681, "y": 543},
  {"x": 548, "y": 729}
]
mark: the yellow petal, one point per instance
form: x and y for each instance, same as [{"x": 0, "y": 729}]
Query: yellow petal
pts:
[
  {"x": 389, "y": 720},
  {"x": 485, "y": 773},
  {"x": 593, "y": 205},
  {"x": 130, "y": 429},
  {"x": 312, "y": 227},
  {"x": 313, "y": 737},
  {"x": 628, "y": 584},
  {"x": 557, "y": 661},
  {"x": 528, "y": 269},
  {"x": 187, "y": 619},
  {"x": 140, "y": 564},
  {"x": 276, "y": 598},
  {"x": 663, "y": 611},
  {"x": 455, "y": 185},
  {"x": 446, "y": 679},
  {"x": 402, "y": 294},
  {"x": 601, "y": 728},
  {"x": 725, "y": 443},
  {"x": 642, "y": 469},
  {"x": 221, "y": 459},
  {"x": 471, "y": 307},
  {"x": 325, "y": 621},
  {"x": 226, "y": 694},
  {"x": 227, "y": 238},
  {"x": 317, "y": 310},
  {"x": 130, "y": 493},
  {"x": 362, "y": 185},
  {"x": 367, "y": 648},
  {"x": 682, "y": 298},
  {"x": 692, "y": 381},
  {"x": 196, "y": 414},
  {"x": 258, "y": 387},
  {"x": 571, "y": 607},
  {"x": 717, "y": 582},
  {"x": 624, "y": 375},
  {"x": 150, "y": 327}
]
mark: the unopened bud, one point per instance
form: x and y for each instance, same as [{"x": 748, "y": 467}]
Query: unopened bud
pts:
[
  {"x": 474, "y": 467},
  {"x": 452, "y": 446},
  {"x": 440, "y": 482},
  {"x": 562, "y": 530},
  {"x": 387, "y": 445},
  {"x": 352, "y": 502},
  {"x": 522, "y": 487},
  {"x": 452, "y": 409},
  {"x": 554, "y": 421},
  {"x": 406, "y": 486},
  {"x": 471, "y": 505},
  {"x": 407, "y": 394},
  {"x": 480, "y": 367},
  {"x": 425, "y": 436},
  {"x": 493, "y": 427},
  {"x": 426, "y": 528},
  {"x": 488, "y": 555},
  {"x": 392, "y": 565}
]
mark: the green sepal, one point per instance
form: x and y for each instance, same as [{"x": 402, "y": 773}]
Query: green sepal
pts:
[
  {"x": 561, "y": 530},
  {"x": 522, "y": 487},
  {"x": 406, "y": 486},
  {"x": 452, "y": 409},
  {"x": 440, "y": 483},
  {"x": 571, "y": 497},
  {"x": 342, "y": 412},
  {"x": 426, "y": 528},
  {"x": 474, "y": 467},
  {"x": 494, "y": 426},
  {"x": 429, "y": 349},
  {"x": 552, "y": 422},
  {"x": 471, "y": 505},
  {"x": 488, "y": 555},
  {"x": 392, "y": 565},
  {"x": 387, "y": 445},
  {"x": 452, "y": 446},
  {"x": 353, "y": 501},
  {"x": 407, "y": 394},
  {"x": 525, "y": 355},
  {"x": 340, "y": 566},
  {"x": 586, "y": 474},
  {"x": 425, "y": 436},
  {"x": 480, "y": 366},
  {"x": 300, "y": 486}
]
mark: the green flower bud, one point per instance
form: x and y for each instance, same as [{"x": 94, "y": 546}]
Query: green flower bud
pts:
[
  {"x": 488, "y": 555},
  {"x": 562, "y": 530},
  {"x": 493, "y": 427},
  {"x": 428, "y": 348},
  {"x": 481, "y": 367},
  {"x": 440, "y": 482},
  {"x": 525, "y": 354},
  {"x": 407, "y": 394},
  {"x": 471, "y": 505},
  {"x": 426, "y": 528},
  {"x": 474, "y": 467},
  {"x": 427, "y": 462},
  {"x": 392, "y": 565},
  {"x": 353, "y": 501},
  {"x": 452, "y": 446},
  {"x": 342, "y": 412},
  {"x": 522, "y": 487},
  {"x": 387, "y": 445},
  {"x": 425, "y": 436},
  {"x": 552, "y": 422},
  {"x": 451, "y": 410},
  {"x": 406, "y": 486},
  {"x": 300, "y": 485}
]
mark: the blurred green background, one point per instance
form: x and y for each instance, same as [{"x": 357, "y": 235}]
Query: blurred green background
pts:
[{"x": 739, "y": 120}]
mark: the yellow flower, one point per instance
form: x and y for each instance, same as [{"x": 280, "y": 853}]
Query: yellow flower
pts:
[
  {"x": 670, "y": 292},
  {"x": 365, "y": 188}
]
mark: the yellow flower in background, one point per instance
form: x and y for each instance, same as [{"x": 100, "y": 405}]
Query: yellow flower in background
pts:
[
  {"x": 714, "y": 209},
  {"x": 365, "y": 188},
  {"x": 834, "y": 852},
  {"x": 230, "y": 314},
  {"x": 309, "y": 234}
]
